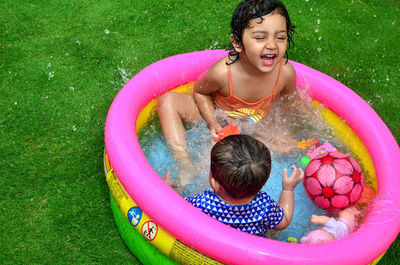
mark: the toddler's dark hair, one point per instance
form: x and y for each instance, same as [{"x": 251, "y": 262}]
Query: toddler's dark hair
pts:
[
  {"x": 250, "y": 9},
  {"x": 241, "y": 165}
]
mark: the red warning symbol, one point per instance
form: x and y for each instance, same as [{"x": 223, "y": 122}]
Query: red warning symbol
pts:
[{"x": 149, "y": 230}]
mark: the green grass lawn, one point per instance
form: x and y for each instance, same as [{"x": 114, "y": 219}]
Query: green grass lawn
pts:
[{"x": 63, "y": 62}]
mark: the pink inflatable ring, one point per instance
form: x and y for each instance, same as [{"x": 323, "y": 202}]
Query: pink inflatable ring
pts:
[{"x": 376, "y": 233}]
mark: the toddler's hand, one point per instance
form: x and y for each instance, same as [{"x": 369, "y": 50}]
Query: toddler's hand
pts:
[
  {"x": 296, "y": 177},
  {"x": 167, "y": 178}
]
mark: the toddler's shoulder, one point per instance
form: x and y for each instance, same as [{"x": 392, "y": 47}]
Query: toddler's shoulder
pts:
[{"x": 264, "y": 197}]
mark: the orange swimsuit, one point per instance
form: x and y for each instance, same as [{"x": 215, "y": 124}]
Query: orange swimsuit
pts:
[{"x": 239, "y": 109}]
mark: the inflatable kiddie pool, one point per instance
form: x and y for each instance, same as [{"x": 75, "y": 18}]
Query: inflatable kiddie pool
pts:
[{"x": 154, "y": 210}]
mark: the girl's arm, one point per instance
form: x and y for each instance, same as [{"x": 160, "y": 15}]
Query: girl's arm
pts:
[
  {"x": 286, "y": 199},
  {"x": 204, "y": 87},
  {"x": 202, "y": 95},
  {"x": 289, "y": 78},
  {"x": 294, "y": 101}
]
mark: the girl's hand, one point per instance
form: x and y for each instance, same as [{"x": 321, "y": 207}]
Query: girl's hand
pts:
[
  {"x": 296, "y": 177},
  {"x": 167, "y": 178},
  {"x": 214, "y": 130}
]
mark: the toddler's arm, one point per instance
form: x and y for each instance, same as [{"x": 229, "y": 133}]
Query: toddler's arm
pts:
[{"x": 286, "y": 199}]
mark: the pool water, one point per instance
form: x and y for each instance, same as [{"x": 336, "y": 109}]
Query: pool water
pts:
[
  {"x": 304, "y": 124},
  {"x": 160, "y": 158}
]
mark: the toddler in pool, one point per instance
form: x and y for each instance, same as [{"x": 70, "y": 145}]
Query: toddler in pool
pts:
[{"x": 240, "y": 166}]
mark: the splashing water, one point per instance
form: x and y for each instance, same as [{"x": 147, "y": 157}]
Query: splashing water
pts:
[{"x": 126, "y": 76}]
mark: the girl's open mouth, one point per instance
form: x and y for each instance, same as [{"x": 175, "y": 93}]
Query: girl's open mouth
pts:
[{"x": 268, "y": 59}]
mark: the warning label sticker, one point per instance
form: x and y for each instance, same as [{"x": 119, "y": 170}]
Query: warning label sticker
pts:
[
  {"x": 135, "y": 215},
  {"x": 149, "y": 230}
]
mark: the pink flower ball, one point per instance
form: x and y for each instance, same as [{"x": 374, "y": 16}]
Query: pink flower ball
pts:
[{"x": 333, "y": 181}]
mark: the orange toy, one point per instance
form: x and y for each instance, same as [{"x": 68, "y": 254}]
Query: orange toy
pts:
[
  {"x": 304, "y": 145},
  {"x": 230, "y": 129},
  {"x": 367, "y": 195}
]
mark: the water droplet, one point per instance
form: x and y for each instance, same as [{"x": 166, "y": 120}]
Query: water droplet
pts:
[
  {"x": 67, "y": 54},
  {"x": 124, "y": 74},
  {"x": 214, "y": 46},
  {"x": 318, "y": 21},
  {"x": 316, "y": 30},
  {"x": 49, "y": 65},
  {"x": 51, "y": 75},
  {"x": 319, "y": 49},
  {"x": 73, "y": 127},
  {"x": 320, "y": 38},
  {"x": 78, "y": 42},
  {"x": 71, "y": 88},
  {"x": 15, "y": 103},
  {"x": 387, "y": 78},
  {"x": 106, "y": 31}
]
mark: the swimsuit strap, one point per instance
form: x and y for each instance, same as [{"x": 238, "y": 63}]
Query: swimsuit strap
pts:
[
  {"x": 228, "y": 67},
  {"x": 277, "y": 80}
]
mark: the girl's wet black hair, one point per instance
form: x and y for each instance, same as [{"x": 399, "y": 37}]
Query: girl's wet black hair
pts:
[{"x": 250, "y": 9}]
